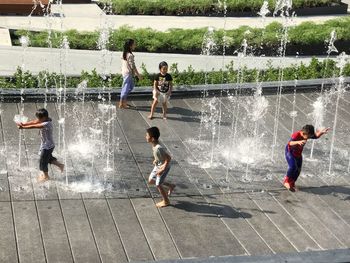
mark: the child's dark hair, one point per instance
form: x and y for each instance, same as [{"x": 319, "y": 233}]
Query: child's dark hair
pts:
[
  {"x": 127, "y": 47},
  {"x": 309, "y": 130},
  {"x": 42, "y": 113},
  {"x": 153, "y": 132},
  {"x": 162, "y": 64}
]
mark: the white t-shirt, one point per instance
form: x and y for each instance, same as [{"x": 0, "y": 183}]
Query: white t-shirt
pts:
[
  {"x": 128, "y": 65},
  {"x": 159, "y": 154}
]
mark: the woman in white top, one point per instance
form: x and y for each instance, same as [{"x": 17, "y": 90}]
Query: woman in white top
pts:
[{"x": 128, "y": 71}]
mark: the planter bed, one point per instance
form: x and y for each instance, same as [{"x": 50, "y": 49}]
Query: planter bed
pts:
[{"x": 235, "y": 8}]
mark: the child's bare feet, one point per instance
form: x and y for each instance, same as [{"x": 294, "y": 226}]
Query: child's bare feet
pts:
[
  {"x": 164, "y": 117},
  {"x": 163, "y": 204},
  {"x": 171, "y": 189},
  {"x": 123, "y": 106},
  {"x": 150, "y": 117},
  {"x": 42, "y": 178}
]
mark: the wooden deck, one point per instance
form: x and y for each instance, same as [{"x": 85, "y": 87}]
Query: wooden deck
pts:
[{"x": 116, "y": 219}]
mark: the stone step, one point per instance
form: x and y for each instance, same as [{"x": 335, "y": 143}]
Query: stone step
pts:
[{"x": 5, "y": 39}]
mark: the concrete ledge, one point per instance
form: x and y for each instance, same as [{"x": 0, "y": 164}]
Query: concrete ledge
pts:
[
  {"x": 5, "y": 38},
  {"x": 327, "y": 256},
  {"x": 14, "y": 95}
]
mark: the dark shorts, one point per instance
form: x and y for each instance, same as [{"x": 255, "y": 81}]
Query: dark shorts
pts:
[{"x": 46, "y": 158}]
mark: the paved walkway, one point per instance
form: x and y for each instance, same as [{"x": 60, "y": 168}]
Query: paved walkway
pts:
[
  {"x": 89, "y": 18},
  {"x": 221, "y": 205},
  {"x": 39, "y": 59}
]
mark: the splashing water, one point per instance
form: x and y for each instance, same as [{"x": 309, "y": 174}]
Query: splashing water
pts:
[
  {"x": 88, "y": 187},
  {"x": 82, "y": 86},
  {"x": 283, "y": 7},
  {"x": 209, "y": 46},
  {"x": 249, "y": 150},
  {"x": 318, "y": 112},
  {"x": 317, "y": 116},
  {"x": 19, "y": 118},
  {"x": 84, "y": 148},
  {"x": 24, "y": 40},
  {"x": 340, "y": 89},
  {"x": 264, "y": 10},
  {"x": 259, "y": 108},
  {"x": 331, "y": 46}
]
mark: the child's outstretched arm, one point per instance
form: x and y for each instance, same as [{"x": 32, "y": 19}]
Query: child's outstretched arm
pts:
[
  {"x": 320, "y": 132},
  {"x": 30, "y": 122},
  {"x": 31, "y": 126}
]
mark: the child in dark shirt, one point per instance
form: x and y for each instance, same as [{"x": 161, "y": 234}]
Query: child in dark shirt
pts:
[
  {"x": 162, "y": 88},
  {"x": 293, "y": 153}
]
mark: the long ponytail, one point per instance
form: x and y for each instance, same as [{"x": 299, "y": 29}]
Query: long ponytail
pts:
[{"x": 127, "y": 48}]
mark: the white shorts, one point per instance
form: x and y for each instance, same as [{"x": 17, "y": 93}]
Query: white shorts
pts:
[
  {"x": 160, "y": 96},
  {"x": 158, "y": 179}
]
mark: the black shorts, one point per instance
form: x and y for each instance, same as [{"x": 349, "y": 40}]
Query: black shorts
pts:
[{"x": 46, "y": 158}]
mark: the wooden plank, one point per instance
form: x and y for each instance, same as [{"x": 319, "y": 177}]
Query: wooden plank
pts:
[
  {"x": 8, "y": 246},
  {"x": 131, "y": 233},
  {"x": 193, "y": 223},
  {"x": 20, "y": 178},
  {"x": 301, "y": 211},
  {"x": 155, "y": 231},
  {"x": 2, "y": 112},
  {"x": 54, "y": 233},
  {"x": 285, "y": 222},
  {"x": 326, "y": 214},
  {"x": 106, "y": 235},
  {"x": 10, "y": 130},
  {"x": 134, "y": 130},
  {"x": 238, "y": 224},
  {"x": 262, "y": 224},
  {"x": 29, "y": 241},
  {"x": 4, "y": 183},
  {"x": 79, "y": 232}
]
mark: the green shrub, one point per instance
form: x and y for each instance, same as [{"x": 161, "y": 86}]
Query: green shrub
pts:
[
  {"x": 316, "y": 69},
  {"x": 199, "y": 7},
  {"x": 190, "y": 41}
]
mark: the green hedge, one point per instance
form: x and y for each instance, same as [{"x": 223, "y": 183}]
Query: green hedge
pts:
[
  {"x": 199, "y": 7},
  {"x": 308, "y": 36},
  {"x": 314, "y": 70}
]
